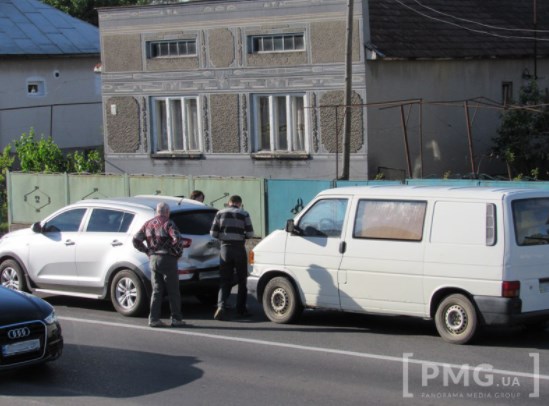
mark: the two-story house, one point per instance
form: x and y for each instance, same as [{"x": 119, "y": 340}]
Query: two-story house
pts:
[{"x": 256, "y": 88}]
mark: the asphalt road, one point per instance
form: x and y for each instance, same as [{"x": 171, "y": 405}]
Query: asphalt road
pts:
[{"x": 328, "y": 358}]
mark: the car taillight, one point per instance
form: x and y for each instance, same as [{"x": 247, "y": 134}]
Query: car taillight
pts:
[
  {"x": 251, "y": 257},
  {"x": 510, "y": 289},
  {"x": 187, "y": 242}
]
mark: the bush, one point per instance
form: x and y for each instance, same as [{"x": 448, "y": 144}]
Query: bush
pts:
[
  {"x": 43, "y": 155},
  {"x": 6, "y": 160},
  {"x": 39, "y": 156},
  {"x": 85, "y": 162}
]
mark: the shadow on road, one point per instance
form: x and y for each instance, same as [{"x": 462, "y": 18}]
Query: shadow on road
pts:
[
  {"x": 101, "y": 372},
  {"x": 319, "y": 321}
]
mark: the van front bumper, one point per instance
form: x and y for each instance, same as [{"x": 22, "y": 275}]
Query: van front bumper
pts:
[
  {"x": 501, "y": 311},
  {"x": 251, "y": 284}
]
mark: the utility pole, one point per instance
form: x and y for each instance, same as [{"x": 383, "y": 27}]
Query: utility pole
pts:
[
  {"x": 535, "y": 11},
  {"x": 348, "y": 93}
]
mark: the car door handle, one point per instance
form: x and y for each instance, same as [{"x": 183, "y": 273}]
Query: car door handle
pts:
[
  {"x": 116, "y": 243},
  {"x": 69, "y": 242},
  {"x": 342, "y": 247}
]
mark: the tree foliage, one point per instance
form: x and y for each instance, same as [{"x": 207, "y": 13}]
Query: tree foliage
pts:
[
  {"x": 86, "y": 10},
  {"x": 523, "y": 137},
  {"x": 44, "y": 155},
  {"x": 41, "y": 155}
]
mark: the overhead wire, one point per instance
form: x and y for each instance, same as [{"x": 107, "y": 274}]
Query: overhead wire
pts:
[
  {"x": 478, "y": 31},
  {"x": 479, "y": 23}
]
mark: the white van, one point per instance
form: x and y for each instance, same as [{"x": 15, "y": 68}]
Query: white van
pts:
[{"x": 463, "y": 256}]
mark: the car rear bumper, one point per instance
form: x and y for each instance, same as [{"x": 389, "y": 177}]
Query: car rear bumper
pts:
[{"x": 200, "y": 280}]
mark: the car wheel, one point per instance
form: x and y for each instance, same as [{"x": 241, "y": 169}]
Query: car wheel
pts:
[
  {"x": 280, "y": 301},
  {"x": 128, "y": 294},
  {"x": 456, "y": 319},
  {"x": 11, "y": 275}
]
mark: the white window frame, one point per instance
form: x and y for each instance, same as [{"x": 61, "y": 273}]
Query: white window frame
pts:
[
  {"x": 291, "y": 123},
  {"x": 186, "y": 141}
]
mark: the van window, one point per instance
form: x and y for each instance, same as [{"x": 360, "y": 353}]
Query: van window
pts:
[
  {"x": 531, "y": 220},
  {"x": 324, "y": 218},
  {"x": 390, "y": 220}
]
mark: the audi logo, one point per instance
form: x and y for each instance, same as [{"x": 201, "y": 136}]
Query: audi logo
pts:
[{"x": 19, "y": 333}]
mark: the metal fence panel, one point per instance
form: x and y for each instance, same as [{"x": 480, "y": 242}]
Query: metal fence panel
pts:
[
  {"x": 33, "y": 196},
  {"x": 286, "y": 198},
  {"x": 504, "y": 183},
  {"x": 96, "y": 187},
  {"x": 159, "y": 185},
  {"x": 251, "y": 190},
  {"x": 443, "y": 182}
]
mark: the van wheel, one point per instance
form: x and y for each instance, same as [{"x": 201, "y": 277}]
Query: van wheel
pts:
[
  {"x": 456, "y": 319},
  {"x": 11, "y": 275},
  {"x": 128, "y": 294},
  {"x": 280, "y": 301}
]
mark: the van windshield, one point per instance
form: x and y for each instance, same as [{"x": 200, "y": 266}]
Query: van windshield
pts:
[{"x": 531, "y": 220}]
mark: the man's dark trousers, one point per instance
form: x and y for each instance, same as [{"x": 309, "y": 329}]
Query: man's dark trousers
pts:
[{"x": 233, "y": 259}]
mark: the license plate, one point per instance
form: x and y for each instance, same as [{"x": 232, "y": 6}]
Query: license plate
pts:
[
  {"x": 209, "y": 275},
  {"x": 544, "y": 287},
  {"x": 9, "y": 350}
]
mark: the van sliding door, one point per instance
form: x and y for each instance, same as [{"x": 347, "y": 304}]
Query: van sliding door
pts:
[{"x": 382, "y": 268}]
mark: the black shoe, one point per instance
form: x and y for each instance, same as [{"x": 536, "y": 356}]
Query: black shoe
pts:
[{"x": 219, "y": 314}]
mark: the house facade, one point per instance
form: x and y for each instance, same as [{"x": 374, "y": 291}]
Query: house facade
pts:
[
  {"x": 257, "y": 88},
  {"x": 47, "y": 78}
]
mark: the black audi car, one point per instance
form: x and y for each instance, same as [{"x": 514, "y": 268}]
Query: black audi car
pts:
[{"x": 29, "y": 330}]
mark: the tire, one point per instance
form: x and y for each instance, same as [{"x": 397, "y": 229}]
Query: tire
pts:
[
  {"x": 11, "y": 275},
  {"x": 456, "y": 319},
  {"x": 128, "y": 294},
  {"x": 281, "y": 303}
]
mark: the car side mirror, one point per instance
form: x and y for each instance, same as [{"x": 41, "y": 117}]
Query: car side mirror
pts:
[{"x": 37, "y": 227}]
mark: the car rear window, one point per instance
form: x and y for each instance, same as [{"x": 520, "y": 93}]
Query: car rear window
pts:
[{"x": 194, "y": 222}]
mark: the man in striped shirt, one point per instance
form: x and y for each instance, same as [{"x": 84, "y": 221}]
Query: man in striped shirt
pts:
[{"x": 232, "y": 226}]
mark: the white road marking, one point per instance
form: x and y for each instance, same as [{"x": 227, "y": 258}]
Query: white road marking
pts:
[{"x": 355, "y": 354}]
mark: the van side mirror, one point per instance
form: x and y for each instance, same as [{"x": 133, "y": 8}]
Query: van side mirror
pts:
[
  {"x": 37, "y": 227},
  {"x": 292, "y": 228}
]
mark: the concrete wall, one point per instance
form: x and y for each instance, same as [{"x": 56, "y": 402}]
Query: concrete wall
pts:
[{"x": 69, "y": 108}]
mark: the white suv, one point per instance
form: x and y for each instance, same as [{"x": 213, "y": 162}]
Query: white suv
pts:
[{"x": 85, "y": 249}]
